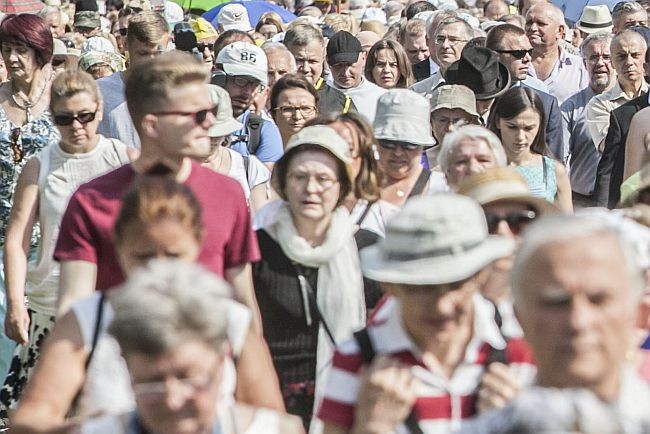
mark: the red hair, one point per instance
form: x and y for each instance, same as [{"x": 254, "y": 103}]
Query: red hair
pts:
[{"x": 30, "y": 30}]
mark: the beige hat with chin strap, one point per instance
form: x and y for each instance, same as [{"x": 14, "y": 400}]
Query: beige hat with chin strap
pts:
[{"x": 225, "y": 123}]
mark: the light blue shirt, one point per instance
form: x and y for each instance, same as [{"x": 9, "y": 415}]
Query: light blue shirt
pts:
[{"x": 270, "y": 148}]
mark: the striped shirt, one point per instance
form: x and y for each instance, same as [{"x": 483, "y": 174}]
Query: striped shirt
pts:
[{"x": 442, "y": 402}]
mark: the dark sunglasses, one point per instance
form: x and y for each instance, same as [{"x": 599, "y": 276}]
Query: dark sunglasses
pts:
[
  {"x": 393, "y": 145},
  {"x": 517, "y": 54},
  {"x": 83, "y": 118},
  {"x": 123, "y": 31},
  {"x": 517, "y": 221},
  {"x": 201, "y": 47},
  {"x": 57, "y": 61},
  {"x": 199, "y": 116}
]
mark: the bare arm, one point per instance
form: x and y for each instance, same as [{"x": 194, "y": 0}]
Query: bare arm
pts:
[
  {"x": 563, "y": 200},
  {"x": 257, "y": 382},
  {"x": 258, "y": 197},
  {"x": 58, "y": 377},
  {"x": 19, "y": 232},
  {"x": 330, "y": 428},
  {"x": 241, "y": 279},
  {"x": 77, "y": 281},
  {"x": 635, "y": 144}
]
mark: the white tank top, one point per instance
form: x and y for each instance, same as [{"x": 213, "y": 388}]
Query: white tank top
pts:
[{"x": 59, "y": 177}]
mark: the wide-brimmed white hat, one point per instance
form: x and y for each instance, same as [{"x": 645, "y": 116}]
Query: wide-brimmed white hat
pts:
[
  {"x": 434, "y": 240},
  {"x": 226, "y": 124},
  {"x": 403, "y": 116},
  {"x": 244, "y": 58},
  {"x": 595, "y": 19}
]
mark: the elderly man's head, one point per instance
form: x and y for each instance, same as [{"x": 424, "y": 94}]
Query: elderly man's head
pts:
[
  {"x": 576, "y": 289},
  {"x": 628, "y": 14},
  {"x": 495, "y": 9},
  {"x": 450, "y": 37},
  {"x": 597, "y": 56},
  {"x": 628, "y": 50},
  {"x": 468, "y": 150},
  {"x": 280, "y": 61},
  {"x": 545, "y": 25}
]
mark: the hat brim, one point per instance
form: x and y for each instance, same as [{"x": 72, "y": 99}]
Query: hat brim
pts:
[
  {"x": 541, "y": 206},
  {"x": 433, "y": 270},
  {"x": 590, "y": 30},
  {"x": 241, "y": 69},
  {"x": 225, "y": 128},
  {"x": 453, "y": 77},
  {"x": 342, "y": 58}
]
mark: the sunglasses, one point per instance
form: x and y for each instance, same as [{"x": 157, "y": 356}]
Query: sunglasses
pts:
[
  {"x": 123, "y": 31},
  {"x": 83, "y": 118},
  {"x": 517, "y": 221},
  {"x": 57, "y": 61},
  {"x": 394, "y": 145},
  {"x": 201, "y": 47},
  {"x": 517, "y": 54},
  {"x": 199, "y": 116}
]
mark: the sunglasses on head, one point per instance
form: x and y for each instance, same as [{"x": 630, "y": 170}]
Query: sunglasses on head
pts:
[
  {"x": 199, "y": 116},
  {"x": 394, "y": 145},
  {"x": 66, "y": 119},
  {"x": 517, "y": 54},
  {"x": 517, "y": 220}
]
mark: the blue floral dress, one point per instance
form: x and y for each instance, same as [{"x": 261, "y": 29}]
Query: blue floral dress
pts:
[{"x": 541, "y": 179}]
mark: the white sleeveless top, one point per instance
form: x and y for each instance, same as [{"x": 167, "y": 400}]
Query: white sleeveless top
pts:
[
  {"x": 59, "y": 176},
  {"x": 107, "y": 387}
]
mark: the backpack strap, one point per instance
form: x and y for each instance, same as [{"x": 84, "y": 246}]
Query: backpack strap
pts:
[
  {"x": 368, "y": 354},
  {"x": 254, "y": 127}
]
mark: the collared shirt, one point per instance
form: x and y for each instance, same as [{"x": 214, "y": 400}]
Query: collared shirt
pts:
[
  {"x": 568, "y": 77},
  {"x": 583, "y": 155},
  {"x": 533, "y": 83},
  {"x": 364, "y": 96},
  {"x": 425, "y": 87},
  {"x": 442, "y": 402},
  {"x": 433, "y": 67},
  {"x": 601, "y": 106}
]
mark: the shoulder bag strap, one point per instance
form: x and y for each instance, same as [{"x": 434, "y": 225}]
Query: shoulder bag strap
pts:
[
  {"x": 418, "y": 188},
  {"x": 254, "y": 126},
  {"x": 309, "y": 300},
  {"x": 364, "y": 214}
]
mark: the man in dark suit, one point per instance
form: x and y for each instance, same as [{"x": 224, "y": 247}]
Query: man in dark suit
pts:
[
  {"x": 413, "y": 39},
  {"x": 513, "y": 50},
  {"x": 609, "y": 177}
]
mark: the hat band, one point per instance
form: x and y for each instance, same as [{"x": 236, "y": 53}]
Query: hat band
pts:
[
  {"x": 595, "y": 26},
  {"x": 433, "y": 253}
]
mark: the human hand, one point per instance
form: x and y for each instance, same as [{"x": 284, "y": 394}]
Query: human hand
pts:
[
  {"x": 387, "y": 392},
  {"x": 17, "y": 324},
  {"x": 498, "y": 387}
]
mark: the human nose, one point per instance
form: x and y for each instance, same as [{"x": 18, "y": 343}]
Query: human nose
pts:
[
  {"x": 303, "y": 66},
  {"x": 503, "y": 229},
  {"x": 175, "y": 394},
  {"x": 446, "y": 303},
  {"x": 581, "y": 315},
  {"x": 312, "y": 185}
]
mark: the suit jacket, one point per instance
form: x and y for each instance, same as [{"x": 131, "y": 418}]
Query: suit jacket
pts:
[
  {"x": 422, "y": 70},
  {"x": 609, "y": 176}
]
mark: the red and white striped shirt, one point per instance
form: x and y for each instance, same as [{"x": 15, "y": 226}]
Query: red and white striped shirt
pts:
[{"x": 442, "y": 402}]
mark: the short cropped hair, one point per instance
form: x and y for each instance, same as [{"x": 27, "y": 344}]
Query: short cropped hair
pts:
[
  {"x": 291, "y": 81},
  {"x": 497, "y": 33},
  {"x": 149, "y": 82},
  {"x": 271, "y": 46},
  {"x": 70, "y": 83},
  {"x": 301, "y": 34},
  {"x": 467, "y": 29},
  {"x": 414, "y": 28},
  {"x": 167, "y": 303},
  {"x": 603, "y": 35},
  {"x": 147, "y": 27}
]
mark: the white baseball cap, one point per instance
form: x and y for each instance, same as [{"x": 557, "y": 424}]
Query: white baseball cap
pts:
[
  {"x": 234, "y": 16},
  {"x": 244, "y": 58}
]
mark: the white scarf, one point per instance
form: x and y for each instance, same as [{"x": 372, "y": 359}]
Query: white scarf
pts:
[{"x": 340, "y": 295}]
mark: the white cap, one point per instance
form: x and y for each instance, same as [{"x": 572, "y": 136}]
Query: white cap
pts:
[
  {"x": 244, "y": 58},
  {"x": 173, "y": 13},
  {"x": 97, "y": 43},
  {"x": 234, "y": 16},
  {"x": 59, "y": 48}
]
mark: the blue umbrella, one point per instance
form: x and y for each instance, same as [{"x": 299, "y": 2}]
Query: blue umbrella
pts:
[
  {"x": 255, "y": 10},
  {"x": 573, "y": 8}
]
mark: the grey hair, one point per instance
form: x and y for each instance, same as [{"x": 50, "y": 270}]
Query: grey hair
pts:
[
  {"x": 302, "y": 33},
  {"x": 566, "y": 228},
  {"x": 271, "y": 46},
  {"x": 602, "y": 35},
  {"x": 167, "y": 303},
  {"x": 472, "y": 132},
  {"x": 553, "y": 12},
  {"x": 467, "y": 29},
  {"x": 49, "y": 10},
  {"x": 631, "y": 34},
  {"x": 625, "y": 8}
]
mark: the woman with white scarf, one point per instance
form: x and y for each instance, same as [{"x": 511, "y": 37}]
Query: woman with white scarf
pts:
[{"x": 308, "y": 283}]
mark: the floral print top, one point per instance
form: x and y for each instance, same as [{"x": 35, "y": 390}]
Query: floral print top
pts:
[{"x": 17, "y": 146}]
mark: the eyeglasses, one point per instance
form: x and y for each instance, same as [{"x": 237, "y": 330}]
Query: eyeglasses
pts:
[
  {"x": 57, "y": 61},
  {"x": 443, "y": 120},
  {"x": 324, "y": 182},
  {"x": 452, "y": 40},
  {"x": 202, "y": 46},
  {"x": 517, "y": 221},
  {"x": 595, "y": 58},
  {"x": 155, "y": 391},
  {"x": 66, "y": 119},
  {"x": 289, "y": 110},
  {"x": 394, "y": 145},
  {"x": 199, "y": 116},
  {"x": 517, "y": 54},
  {"x": 243, "y": 82},
  {"x": 16, "y": 145}
]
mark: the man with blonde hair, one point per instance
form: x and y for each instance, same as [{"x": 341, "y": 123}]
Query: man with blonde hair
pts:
[{"x": 414, "y": 40}]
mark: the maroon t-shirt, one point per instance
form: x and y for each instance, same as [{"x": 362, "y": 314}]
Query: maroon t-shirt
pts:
[{"x": 87, "y": 226}]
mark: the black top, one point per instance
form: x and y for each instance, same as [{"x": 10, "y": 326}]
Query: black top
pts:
[{"x": 332, "y": 100}]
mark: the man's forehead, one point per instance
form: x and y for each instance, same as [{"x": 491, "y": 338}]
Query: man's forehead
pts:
[{"x": 454, "y": 29}]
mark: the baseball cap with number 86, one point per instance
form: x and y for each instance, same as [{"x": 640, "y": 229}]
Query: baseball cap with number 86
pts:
[{"x": 243, "y": 58}]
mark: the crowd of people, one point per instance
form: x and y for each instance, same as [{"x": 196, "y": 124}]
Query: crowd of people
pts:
[{"x": 335, "y": 216}]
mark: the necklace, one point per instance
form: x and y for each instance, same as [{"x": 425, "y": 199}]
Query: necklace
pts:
[{"x": 27, "y": 104}]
